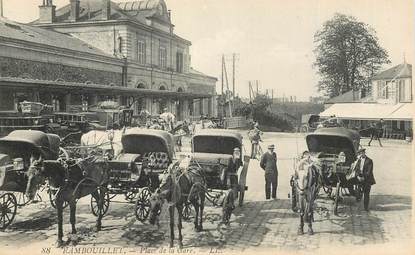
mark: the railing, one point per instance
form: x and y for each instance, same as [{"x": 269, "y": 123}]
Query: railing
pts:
[{"x": 235, "y": 122}]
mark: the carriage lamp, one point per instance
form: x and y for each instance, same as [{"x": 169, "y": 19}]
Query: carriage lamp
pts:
[
  {"x": 236, "y": 154},
  {"x": 342, "y": 157},
  {"x": 36, "y": 122},
  {"x": 18, "y": 164}
]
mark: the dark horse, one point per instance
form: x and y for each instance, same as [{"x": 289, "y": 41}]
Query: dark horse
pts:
[
  {"x": 307, "y": 189},
  {"x": 74, "y": 180},
  {"x": 179, "y": 187}
]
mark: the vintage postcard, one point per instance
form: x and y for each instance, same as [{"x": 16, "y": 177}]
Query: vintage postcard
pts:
[{"x": 206, "y": 127}]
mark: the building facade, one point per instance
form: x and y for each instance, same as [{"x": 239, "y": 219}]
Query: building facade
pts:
[
  {"x": 391, "y": 99},
  {"x": 149, "y": 65}
]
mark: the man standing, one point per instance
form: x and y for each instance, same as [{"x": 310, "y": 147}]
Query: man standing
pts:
[
  {"x": 269, "y": 165},
  {"x": 365, "y": 176},
  {"x": 255, "y": 137},
  {"x": 377, "y": 132}
]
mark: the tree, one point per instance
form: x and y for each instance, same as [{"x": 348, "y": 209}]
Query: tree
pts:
[{"x": 347, "y": 55}]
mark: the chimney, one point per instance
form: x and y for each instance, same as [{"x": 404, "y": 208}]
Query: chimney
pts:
[
  {"x": 106, "y": 9},
  {"x": 47, "y": 12},
  {"x": 74, "y": 15}
]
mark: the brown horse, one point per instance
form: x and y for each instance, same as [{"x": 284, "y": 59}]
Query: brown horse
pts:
[
  {"x": 74, "y": 180},
  {"x": 306, "y": 183},
  {"x": 179, "y": 187}
]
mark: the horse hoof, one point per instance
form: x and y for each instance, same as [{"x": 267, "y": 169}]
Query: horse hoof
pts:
[
  {"x": 59, "y": 244},
  {"x": 171, "y": 245},
  {"x": 180, "y": 245},
  {"x": 310, "y": 232},
  {"x": 300, "y": 231}
]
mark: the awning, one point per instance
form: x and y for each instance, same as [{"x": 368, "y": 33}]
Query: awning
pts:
[
  {"x": 98, "y": 88},
  {"x": 371, "y": 111}
]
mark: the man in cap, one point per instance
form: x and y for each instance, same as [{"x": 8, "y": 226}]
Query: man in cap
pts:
[
  {"x": 269, "y": 165},
  {"x": 365, "y": 177}
]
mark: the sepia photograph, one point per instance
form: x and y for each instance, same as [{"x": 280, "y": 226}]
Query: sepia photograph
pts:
[{"x": 206, "y": 127}]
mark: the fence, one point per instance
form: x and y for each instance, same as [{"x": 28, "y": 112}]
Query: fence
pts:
[{"x": 236, "y": 122}]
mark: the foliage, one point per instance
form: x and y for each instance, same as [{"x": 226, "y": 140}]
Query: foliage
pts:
[
  {"x": 347, "y": 55},
  {"x": 259, "y": 111}
]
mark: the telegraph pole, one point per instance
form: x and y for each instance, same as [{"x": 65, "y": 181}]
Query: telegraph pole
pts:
[{"x": 233, "y": 75}]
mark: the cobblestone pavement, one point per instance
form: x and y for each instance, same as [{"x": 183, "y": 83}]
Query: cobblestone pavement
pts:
[{"x": 258, "y": 225}]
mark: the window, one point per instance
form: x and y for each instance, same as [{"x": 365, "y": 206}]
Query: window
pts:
[
  {"x": 162, "y": 57},
  {"x": 386, "y": 92},
  {"x": 120, "y": 42},
  {"x": 179, "y": 62},
  {"x": 401, "y": 90},
  {"x": 380, "y": 88},
  {"x": 141, "y": 52}
]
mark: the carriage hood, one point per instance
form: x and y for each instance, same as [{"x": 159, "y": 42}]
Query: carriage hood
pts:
[
  {"x": 140, "y": 141},
  {"x": 22, "y": 142},
  {"x": 210, "y": 158},
  {"x": 216, "y": 141},
  {"x": 333, "y": 141}
]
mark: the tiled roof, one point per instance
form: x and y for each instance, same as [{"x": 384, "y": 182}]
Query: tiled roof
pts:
[
  {"x": 13, "y": 30},
  {"x": 352, "y": 96},
  {"x": 91, "y": 10},
  {"x": 400, "y": 71}
]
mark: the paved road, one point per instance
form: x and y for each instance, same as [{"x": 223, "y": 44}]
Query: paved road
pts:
[{"x": 259, "y": 224}]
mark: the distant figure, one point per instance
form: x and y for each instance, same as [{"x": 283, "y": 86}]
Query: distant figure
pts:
[
  {"x": 255, "y": 137},
  {"x": 376, "y": 132},
  {"x": 269, "y": 164}
]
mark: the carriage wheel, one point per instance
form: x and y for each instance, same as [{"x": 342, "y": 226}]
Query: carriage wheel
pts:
[
  {"x": 8, "y": 207},
  {"x": 22, "y": 200},
  {"x": 142, "y": 205},
  {"x": 131, "y": 195},
  {"x": 187, "y": 211},
  {"x": 336, "y": 199},
  {"x": 63, "y": 154},
  {"x": 94, "y": 202},
  {"x": 52, "y": 198}
]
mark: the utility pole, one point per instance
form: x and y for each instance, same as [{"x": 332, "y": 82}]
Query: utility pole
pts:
[
  {"x": 227, "y": 89},
  {"x": 1, "y": 8},
  {"x": 250, "y": 88},
  {"x": 223, "y": 63},
  {"x": 233, "y": 75},
  {"x": 257, "y": 89}
]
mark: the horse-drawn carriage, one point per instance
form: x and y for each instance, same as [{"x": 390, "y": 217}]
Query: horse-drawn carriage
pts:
[
  {"x": 333, "y": 151},
  {"x": 219, "y": 153},
  {"x": 145, "y": 154},
  {"x": 19, "y": 151}
]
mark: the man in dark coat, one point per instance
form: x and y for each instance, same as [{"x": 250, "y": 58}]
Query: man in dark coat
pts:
[
  {"x": 376, "y": 132},
  {"x": 269, "y": 165},
  {"x": 365, "y": 168}
]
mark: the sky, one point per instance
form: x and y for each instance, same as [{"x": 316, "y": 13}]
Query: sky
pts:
[{"x": 273, "y": 39}]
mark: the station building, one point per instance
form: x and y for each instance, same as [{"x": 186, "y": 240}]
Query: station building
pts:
[{"x": 94, "y": 50}]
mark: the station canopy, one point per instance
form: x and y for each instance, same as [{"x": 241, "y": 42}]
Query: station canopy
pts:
[{"x": 371, "y": 111}]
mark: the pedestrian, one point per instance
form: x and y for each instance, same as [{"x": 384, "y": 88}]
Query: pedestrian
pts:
[
  {"x": 255, "y": 137},
  {"x": 376, "y": 132},
  {"x": 269, "y": 165},
  {"x": 365, "y": 175}
]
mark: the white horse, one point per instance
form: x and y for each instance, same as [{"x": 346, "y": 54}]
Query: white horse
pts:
[{"x": 102, "y": 140}]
